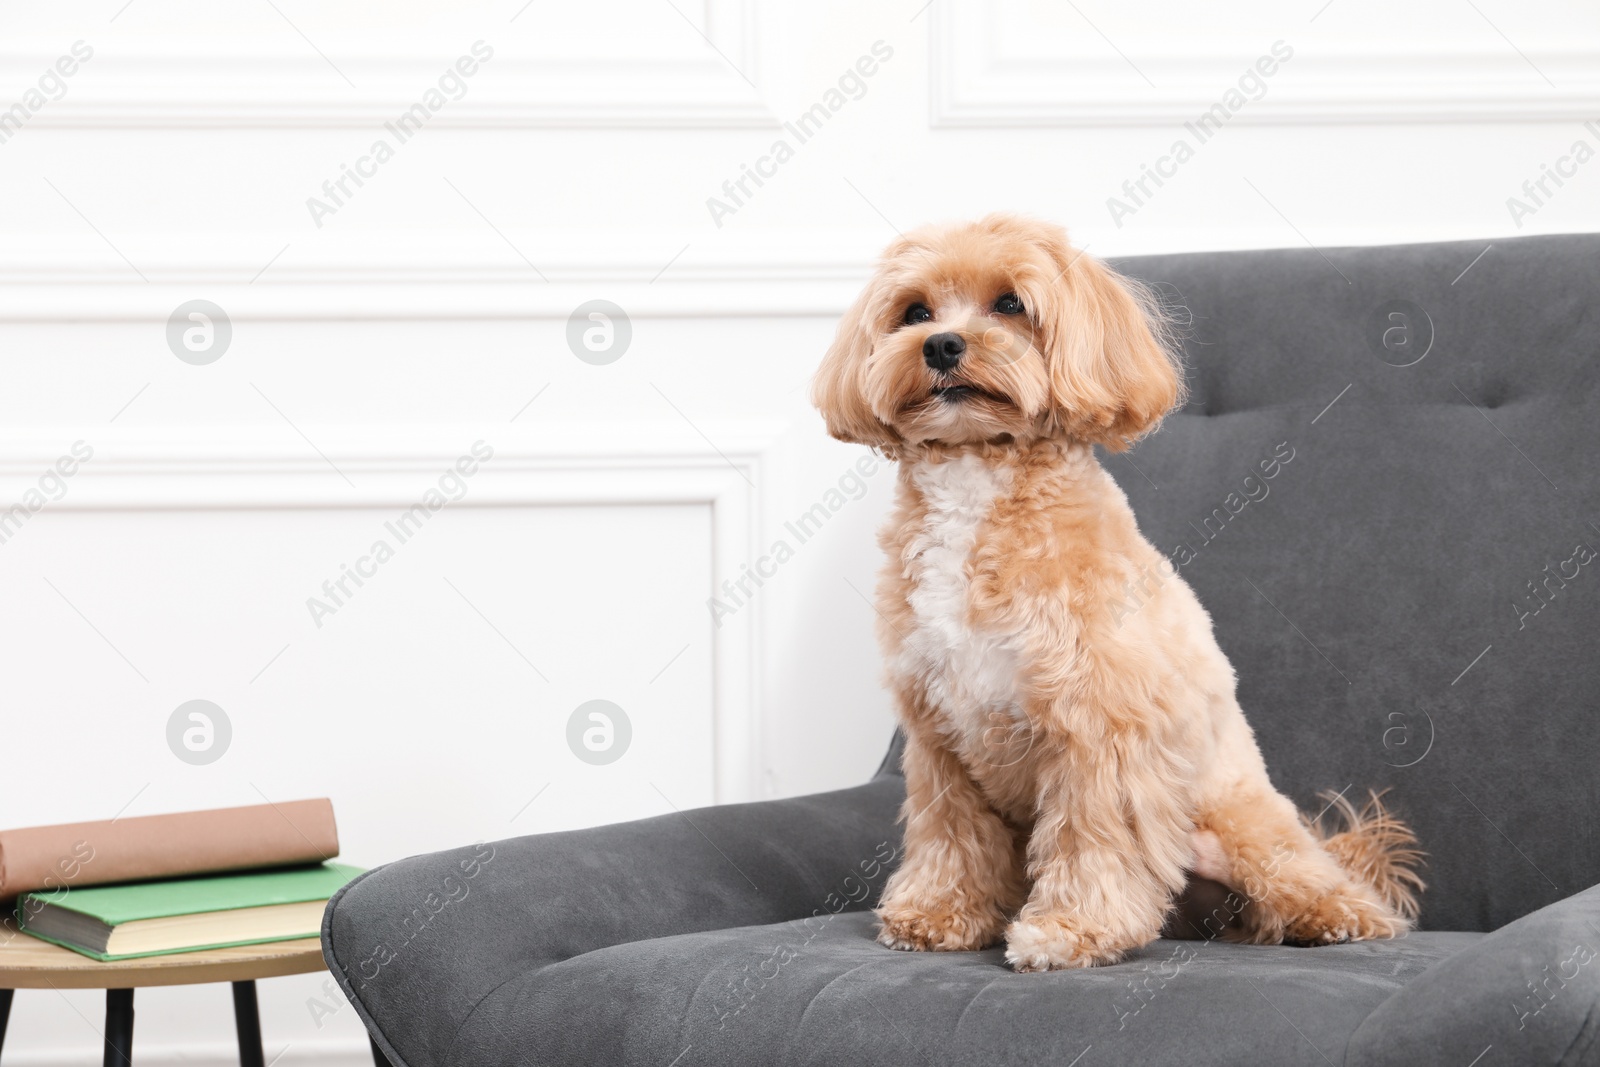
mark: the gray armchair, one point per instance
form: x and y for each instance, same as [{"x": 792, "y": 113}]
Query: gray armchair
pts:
[{"x": 1411, "y": 600}]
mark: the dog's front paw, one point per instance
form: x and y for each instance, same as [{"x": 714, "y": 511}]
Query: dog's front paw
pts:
[
  {"x": 939, "y": 928},
  {"x": 1046, "y": 944},
  {"x": 1343, "y": 915}
]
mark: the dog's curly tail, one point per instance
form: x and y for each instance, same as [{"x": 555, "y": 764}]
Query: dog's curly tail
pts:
[{"x": 1377, "y": 848}]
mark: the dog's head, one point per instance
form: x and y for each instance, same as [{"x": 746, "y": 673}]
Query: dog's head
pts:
[{"x": 993, "y": 331}]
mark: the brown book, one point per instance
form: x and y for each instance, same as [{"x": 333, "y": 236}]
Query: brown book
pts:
[{"x": 166, "y": 846}]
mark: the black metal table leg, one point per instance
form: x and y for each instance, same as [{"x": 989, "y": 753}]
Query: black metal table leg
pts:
[
  {"x": 5, "y": 1014},
  {"x": 247, "y": 1019},
  {"x": 378, "y": 1058},
  {"x": 119, "y": 1028}
]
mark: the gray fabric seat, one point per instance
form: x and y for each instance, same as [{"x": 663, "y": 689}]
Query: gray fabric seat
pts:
[
  {"x": 1410, "y": 599},
  {"x": 842, "y": 998}
]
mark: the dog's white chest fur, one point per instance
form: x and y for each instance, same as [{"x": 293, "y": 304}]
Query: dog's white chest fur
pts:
[{"x": 969, "y": 673}]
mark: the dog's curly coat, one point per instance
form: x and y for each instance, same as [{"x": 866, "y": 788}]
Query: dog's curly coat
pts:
[{"x": 1069, "y": 761}]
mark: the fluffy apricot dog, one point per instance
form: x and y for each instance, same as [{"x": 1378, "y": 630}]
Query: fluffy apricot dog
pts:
[{"x": 1068, "y": 763}]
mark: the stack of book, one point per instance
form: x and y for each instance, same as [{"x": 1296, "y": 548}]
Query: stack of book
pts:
[{"x": 160, "y": 884}]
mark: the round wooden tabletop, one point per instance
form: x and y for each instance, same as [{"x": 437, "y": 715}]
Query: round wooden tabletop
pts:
[{"x": 29, "y": 963}]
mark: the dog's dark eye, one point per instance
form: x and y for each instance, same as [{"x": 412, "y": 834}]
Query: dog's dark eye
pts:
[
  {"x": 1008, "y": 304},
  {"x": 917, "y": 313}
]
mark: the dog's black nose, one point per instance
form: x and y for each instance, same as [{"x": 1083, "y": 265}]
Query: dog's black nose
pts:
[{"x": 942, "y": 351}]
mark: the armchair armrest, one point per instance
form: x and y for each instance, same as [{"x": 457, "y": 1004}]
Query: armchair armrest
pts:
[
  {"x": 416, "y": 944},
  {"x": 1531, "y": 989}
]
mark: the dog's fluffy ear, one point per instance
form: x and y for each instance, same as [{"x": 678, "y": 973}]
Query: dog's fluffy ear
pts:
[
  {"x": 1113, "y": 372},
  {"x": 837, "y": 389}
]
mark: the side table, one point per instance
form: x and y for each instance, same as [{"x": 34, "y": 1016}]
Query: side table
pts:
[{"x": 29, "y": 963}]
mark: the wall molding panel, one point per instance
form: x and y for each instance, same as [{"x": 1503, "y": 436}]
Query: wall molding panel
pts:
[
  {"x": 633, "y": 464},
  {"x": 701, "y": 74},
  {"x": 972, "y": 84}
]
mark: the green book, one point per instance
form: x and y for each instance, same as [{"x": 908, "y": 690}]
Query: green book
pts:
[{"x": 119, "y": 922}]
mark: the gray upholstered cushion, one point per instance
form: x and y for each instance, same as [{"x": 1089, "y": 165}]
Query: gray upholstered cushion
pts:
[
  {"x": 1530, "y": 990},
  {"x": 827, "y": 993}
]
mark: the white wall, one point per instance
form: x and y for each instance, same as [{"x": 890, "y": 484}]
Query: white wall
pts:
[{"x": 426, "y": 311}]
